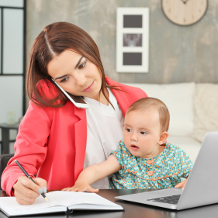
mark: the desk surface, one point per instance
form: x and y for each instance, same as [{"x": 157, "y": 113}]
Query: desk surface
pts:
[{"x": 133, "y": 210}]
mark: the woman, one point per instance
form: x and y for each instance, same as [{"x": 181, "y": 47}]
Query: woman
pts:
[{"x": 56, "y": 140}]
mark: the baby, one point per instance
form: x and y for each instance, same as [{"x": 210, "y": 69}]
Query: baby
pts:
[{"x": 143, "y": 160}]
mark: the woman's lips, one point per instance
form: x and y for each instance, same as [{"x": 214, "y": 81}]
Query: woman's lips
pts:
[
  {"x": 134, "y": 147},
  {"x": 89, "y": 88}
]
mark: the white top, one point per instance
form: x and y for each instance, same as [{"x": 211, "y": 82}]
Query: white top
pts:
[{"x": 104, "y": 131}]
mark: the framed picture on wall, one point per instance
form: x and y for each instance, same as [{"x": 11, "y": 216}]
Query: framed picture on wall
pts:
[{"x": 132, "y": 40}]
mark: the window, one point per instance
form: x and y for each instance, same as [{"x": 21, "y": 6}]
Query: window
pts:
[{"x": 12, "y": 60}]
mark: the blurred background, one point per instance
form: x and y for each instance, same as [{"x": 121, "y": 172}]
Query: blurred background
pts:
[{"x": 176, "y": 53}]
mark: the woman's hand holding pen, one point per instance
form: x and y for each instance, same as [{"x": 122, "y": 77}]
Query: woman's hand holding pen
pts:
[
  {"x": 27, "y": 191},
  {"x": 81, "y": 187}
]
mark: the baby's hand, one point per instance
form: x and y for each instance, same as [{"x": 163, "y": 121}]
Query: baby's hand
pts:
[
  {"x": 181, "y": 184},
  {"x": 82, "y": 187}
]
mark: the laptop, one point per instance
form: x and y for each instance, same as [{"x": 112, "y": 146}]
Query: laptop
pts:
[{"x": 201, "y": 187}]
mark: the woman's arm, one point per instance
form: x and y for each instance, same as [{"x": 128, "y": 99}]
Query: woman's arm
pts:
[
  {"x": 94, "y": 173},
  {"x": 30, "y": 151}
]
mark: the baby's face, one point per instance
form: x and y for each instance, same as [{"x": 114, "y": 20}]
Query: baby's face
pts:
[{"x": 141, "y": 133}]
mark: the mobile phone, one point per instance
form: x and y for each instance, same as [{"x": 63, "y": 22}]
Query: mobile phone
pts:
[{"x": 76, "y": 100}]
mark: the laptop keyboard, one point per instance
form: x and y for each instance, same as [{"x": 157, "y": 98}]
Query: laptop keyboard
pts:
[{"x": 172, "y": 199}]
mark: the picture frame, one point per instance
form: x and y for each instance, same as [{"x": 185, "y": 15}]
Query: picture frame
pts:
[{"x": 132, "y": 40}]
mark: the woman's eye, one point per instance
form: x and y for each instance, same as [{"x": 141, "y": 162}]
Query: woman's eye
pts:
[
  {"x": 64, "y": 80},
  {"x": 143, "y": 133},
  {"x": 82, "y": 65}
]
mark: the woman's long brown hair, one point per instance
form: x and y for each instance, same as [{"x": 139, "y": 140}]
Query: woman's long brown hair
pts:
[{"x": 52, "y": 41}]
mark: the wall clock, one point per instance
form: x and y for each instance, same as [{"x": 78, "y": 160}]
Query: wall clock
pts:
[{"x": 184, "y": 12}]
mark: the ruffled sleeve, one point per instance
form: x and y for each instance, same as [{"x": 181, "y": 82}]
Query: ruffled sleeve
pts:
[{"x": 180, "y": 165}]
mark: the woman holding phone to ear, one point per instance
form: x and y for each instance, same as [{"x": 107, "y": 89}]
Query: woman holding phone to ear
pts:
[{"x": 56, "y": 139}]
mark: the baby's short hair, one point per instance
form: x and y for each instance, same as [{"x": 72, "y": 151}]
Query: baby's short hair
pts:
[{"x": 144, "y": 104}]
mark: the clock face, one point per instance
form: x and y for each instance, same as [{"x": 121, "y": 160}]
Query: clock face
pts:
[{"x": 184, "y": 12}]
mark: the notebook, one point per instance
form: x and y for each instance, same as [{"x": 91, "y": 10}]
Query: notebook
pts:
[
  {"x": 201, "y": 187},
  {"x": 58, "y": 201}
]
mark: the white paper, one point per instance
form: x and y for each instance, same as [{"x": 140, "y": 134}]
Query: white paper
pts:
[{"x": 57, "y": 201}]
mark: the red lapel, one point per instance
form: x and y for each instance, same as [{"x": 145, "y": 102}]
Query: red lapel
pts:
[{"x": 80, "y": 140}]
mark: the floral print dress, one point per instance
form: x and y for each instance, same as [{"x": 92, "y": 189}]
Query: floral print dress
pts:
[{"x": 167, "y": 169}]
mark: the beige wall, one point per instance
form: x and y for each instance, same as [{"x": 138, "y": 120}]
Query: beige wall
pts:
[{"x": 176, "y": 53}]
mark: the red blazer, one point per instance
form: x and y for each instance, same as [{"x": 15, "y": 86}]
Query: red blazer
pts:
[{"x": 52, "y": 141}]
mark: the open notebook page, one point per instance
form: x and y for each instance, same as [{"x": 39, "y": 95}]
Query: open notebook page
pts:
[
  {"x": 74, "y": 198},
  {"x": 58, "y": 201},
  {"x": 10, "y": 206}
]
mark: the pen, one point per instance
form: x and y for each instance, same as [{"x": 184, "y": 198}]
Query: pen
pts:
[{"x": 28, "y": 176}]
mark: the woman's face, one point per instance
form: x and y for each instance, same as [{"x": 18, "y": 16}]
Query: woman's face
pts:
[{"x": 76, "y": 74}]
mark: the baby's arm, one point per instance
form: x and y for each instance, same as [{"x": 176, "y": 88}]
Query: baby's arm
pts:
[
  {"x": 181, "y": 184},
  {"x": 94, "y": 173},
  {"x": 185, "y": 169}
]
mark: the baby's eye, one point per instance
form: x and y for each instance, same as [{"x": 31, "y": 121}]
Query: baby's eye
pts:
[
  {"x": 82, "y": 65},
  {"x": 143, "y": 133},
  {"x": 64, "y": 80},
  {"x": 128, "y": 129}
]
